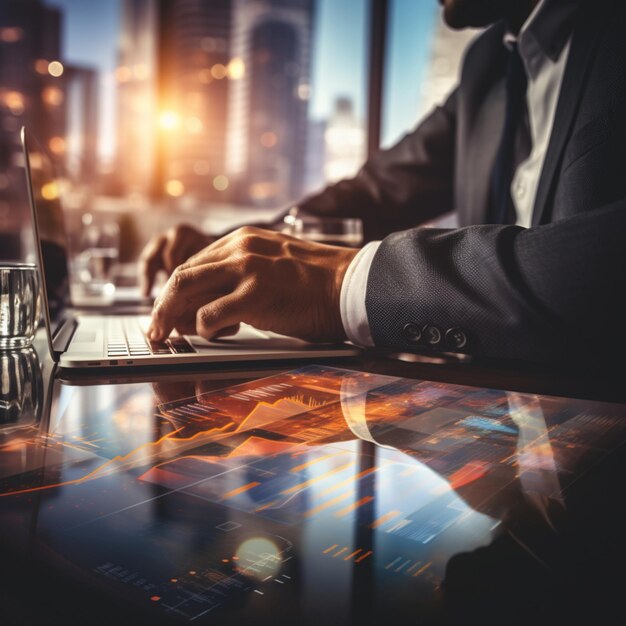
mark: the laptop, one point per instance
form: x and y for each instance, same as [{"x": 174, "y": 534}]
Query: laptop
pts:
[{"x": 81, "y": 339}]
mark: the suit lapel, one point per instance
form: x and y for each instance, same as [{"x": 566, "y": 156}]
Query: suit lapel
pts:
[
  {"x": 485, "y": 101},
  {"x": 481, "y": 154},
  {"x": 582, "y": 48}
]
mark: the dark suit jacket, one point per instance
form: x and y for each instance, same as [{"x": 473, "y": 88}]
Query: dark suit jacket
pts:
[{"x": 544, "y": 293}]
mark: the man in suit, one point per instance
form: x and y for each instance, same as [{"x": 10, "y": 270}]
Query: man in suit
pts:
[{"x": 529, "y": 150}]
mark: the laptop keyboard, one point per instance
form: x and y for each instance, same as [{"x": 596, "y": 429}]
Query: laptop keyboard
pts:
[{"x": 126, "y": 338}]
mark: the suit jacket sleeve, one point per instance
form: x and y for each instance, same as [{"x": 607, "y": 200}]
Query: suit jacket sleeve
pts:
[
  {"x": 546, "y": 293},
  {"x": 400, "y": 187}
]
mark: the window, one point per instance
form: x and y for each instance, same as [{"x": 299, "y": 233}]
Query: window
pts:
[{"x": 212, "y": 112}]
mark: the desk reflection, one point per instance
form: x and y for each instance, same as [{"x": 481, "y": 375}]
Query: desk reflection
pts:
[
  {"x": 316, "y": 494},
  {"x": 21, "y": 388}
]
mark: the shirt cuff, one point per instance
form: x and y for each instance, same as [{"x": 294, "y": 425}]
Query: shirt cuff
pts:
[{"x": 352, "y": 298}]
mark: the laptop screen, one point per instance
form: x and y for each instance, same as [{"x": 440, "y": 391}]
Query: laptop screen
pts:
[{"x": 49, "y": 228}]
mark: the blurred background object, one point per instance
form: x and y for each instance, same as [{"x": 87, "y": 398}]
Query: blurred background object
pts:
[
  {"x": 96, "y": 258},
  {"x": 217, "y": 113}
]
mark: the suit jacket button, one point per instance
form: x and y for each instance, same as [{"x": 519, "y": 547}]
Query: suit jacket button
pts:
[
  {"x": 432, "y": 335},
  {"x": 412, "y": 332},
  {"x": 456, "y": 338}
]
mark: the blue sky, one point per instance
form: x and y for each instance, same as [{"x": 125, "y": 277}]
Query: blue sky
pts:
[{"x": 339, "y": 55}]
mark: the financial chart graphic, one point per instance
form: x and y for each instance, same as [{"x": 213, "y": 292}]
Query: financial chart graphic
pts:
[{"x": 267, "y": 495}]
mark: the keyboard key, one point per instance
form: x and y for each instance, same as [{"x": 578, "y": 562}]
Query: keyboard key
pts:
[{"x": 181, "y": 345}]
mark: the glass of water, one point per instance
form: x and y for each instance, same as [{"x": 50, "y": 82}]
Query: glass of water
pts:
[
  {"x": 332, "y": 231},
  {"x": 20, "y": 305}
]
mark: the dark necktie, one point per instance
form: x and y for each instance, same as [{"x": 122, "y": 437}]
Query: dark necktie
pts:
[{"x": 514, "y": 142}]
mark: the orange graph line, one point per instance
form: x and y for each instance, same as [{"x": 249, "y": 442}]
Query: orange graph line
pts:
[
  {"x": 319, "y": 478},
  {"x": 297, "y": 468},
  {"x": 353, "y": 554},
  {"x": 121, "y": 459},
  {"x": 274, "y": 405},
  {"x": 423, "y": 568},
  {"x": 155, "y": 444},
  {"x": 349, "y": 480},
  {"x": 384, "y": 518},
  {"x": 327, "y": 504},
  {"x": 266, "y": 506},
  {"x": 364, "y": 556},
  {"x": 353, "y": 506},
  {"x": 234, "y": 492},
  {"x": 468, "y": 473}
]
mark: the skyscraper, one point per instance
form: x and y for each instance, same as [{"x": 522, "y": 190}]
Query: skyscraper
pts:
[
  {"x": 135, "y": 77},
  {"x": 344, "y": 140},
  {"x": 31, "y": 94},
  {"x": 267, "y": 126},
  {"x": 30, "y": 90},
  {"x": 81, "y": 106},
  {"x": 195, "y": 69}
]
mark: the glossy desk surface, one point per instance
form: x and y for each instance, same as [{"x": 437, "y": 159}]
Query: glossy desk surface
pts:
[{"x": 362, "y": 491}]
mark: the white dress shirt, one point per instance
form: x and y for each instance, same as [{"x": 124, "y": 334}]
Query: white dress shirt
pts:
[{"x": 543, "y": 44}]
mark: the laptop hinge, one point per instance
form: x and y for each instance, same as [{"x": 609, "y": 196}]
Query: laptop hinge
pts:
[{"x": 63, "y": 335}]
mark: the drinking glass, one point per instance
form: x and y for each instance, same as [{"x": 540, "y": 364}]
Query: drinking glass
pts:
[
  {"x": 20, "y": 304},
  {"x": 333, "y": 231}
]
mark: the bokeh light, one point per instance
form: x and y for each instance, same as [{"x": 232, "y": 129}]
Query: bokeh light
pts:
[
  {"x": 169, "y": 120},
  {"x": 269, "y": 139},
  {"x": 236, "y": 69},
  {"x": 219, "y": 71},
  {"x": 52, "y": 96},
  {"x": 174, "y": 188},
  {"x": 221, "y": 182},
  {"x": 57, "y": 145},
  {"x": 50, "y": 191},
  {"x": 263, "y": 554},
  {"x": 55, "y": 68}
]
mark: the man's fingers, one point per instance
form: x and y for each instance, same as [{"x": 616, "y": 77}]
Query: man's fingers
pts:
[
  {"x": 173, "y": 304},
  {"x": 150, "y": 263},
  {"x": 176, "y": 249},
  {"x": 186, "y": 289},
  {"x": 219, "y": 315},
  {"x": 187, "y": 326}
]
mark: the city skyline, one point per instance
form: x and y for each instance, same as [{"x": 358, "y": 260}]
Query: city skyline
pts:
[
  {"x": 240, "y": 102},
  {"x": 338, "y": 62}
]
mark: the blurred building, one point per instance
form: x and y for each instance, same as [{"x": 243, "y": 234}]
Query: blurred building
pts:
[
  {"x": 135, "y": 78},
  {"x": 81, "y": 107},
  {"x": 344, "y": 140},
  {"x": 315, "y": 156},
  {"x": 267, "y": 127},
  {"x": 195, "y": 69},
  {"x": 31, "y": 94},
  {"x": 31, "y": 88}
]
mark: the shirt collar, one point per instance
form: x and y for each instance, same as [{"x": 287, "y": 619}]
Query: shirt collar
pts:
[{"x": 550, "y": 25}]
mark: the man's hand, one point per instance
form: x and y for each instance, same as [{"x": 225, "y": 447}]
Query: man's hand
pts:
[
  {"x": 168, "y": 251},
  {"x": 266, "y": 279}
]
